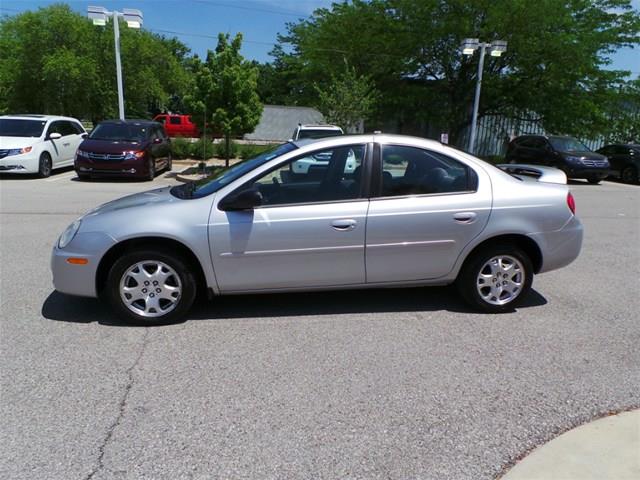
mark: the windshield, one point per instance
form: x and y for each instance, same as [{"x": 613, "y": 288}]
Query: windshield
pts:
[
  {"x": 212, "y": 184},
  {"x": 120, "y": 132},
  {"x": 319, "y": 133},
  {"x": 21, "y": 128},
  {"x": 568, "y": 144}
]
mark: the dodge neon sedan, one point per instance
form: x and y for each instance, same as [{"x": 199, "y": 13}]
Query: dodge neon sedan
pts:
[{"x": 413, "y": 212}]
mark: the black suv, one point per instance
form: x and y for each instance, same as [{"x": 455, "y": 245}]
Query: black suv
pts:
[
  {"x": 566, "y": 153},
  {"x": 624, "y": 160}
]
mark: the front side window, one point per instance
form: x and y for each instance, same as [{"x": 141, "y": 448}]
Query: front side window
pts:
[
  {"x": 415, "y": 171},
  {"x": 333, "y": 174}
]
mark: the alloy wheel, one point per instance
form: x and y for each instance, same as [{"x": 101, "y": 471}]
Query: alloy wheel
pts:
[
  {"x": 500, "y": 280},
  {"x": 150, "y": 288}
]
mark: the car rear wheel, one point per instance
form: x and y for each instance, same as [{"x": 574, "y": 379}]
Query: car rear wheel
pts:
[
  {"x": 495, "y": 279},
  {"x": 150, "y": 287},
  {"x": 44, "y": 167},
  {"x": 629, "y": 174}
]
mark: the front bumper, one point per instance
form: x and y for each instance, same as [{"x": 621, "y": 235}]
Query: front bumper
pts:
[
  {"x": 24, "y": 163},
  {"x": 587, "y": 172},
  {"x": 137, "y": 168},
  {"x": 74, "y": 279},
  {"x": 561, "y": 247}
]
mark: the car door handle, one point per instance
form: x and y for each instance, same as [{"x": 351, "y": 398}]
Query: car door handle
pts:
[
  {"x": 66, "y": 144},
  {"x": 344, "y": 224},
  {"x": 465, "y": 217}
]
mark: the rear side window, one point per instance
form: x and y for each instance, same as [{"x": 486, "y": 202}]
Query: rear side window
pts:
[
  {"x": 416, "y": 171},
  {"x": 174, "y": 120}
]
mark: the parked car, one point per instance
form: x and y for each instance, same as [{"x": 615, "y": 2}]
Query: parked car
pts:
[
  {"x": 38, "y": 143},
  {"x": 178, "y": 125},
  {"x": 124, "y": 148},
  {"x": 624, "y": 161},
  {"x": 424, "y": 213},
  {"x": 566, "y": 153},
  {"x": 316, "y": 131}
]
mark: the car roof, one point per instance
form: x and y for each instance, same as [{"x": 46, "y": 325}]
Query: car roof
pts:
[
  {"x": 32, "y": 116},
  {"x": 320, "y": 126},
  {"x": 130, "y": 122}
]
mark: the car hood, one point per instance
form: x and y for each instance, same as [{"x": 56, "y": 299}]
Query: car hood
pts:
[
  {"x": 17, "y": 142},
  {"x": 110, "y": 146},
  {"x": 150, "y": 199},
  {"x": 585, "y": 155}
]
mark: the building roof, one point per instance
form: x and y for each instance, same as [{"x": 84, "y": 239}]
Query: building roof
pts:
[{"x": 278, "y": 122}]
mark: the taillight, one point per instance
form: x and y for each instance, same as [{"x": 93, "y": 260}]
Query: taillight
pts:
[{"x": 571, "y": 203}]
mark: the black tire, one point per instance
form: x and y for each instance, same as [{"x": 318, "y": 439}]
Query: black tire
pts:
[
  {"x": 151, "y": 170},
  {"x": 177, "y": 273},
  {"x": 44, "y": 166},
  {"x": 468, "y": 278},
  {"x": 83, "y": 177},
  {"x": 594, "y": 180},
  {"x": 629, "y": 174}
]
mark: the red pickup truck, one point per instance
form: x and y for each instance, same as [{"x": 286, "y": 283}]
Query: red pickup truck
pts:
[{"x": 178, "y": 125}]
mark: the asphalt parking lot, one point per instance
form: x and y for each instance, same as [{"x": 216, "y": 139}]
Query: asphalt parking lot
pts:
[{"x": 404, "y": 383}]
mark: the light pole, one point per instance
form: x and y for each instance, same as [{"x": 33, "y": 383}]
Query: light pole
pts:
[
  {"x": 133, "y": 17},
  {"x": 496, "y": 48}
]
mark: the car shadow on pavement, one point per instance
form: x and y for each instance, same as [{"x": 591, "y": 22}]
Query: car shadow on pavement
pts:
[{"x": 65, "y": 308}]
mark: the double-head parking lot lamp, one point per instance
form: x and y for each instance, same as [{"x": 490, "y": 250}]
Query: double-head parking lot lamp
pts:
[
  {"x": 133, "y": 17},
  {"x": 468, "y": 47}
]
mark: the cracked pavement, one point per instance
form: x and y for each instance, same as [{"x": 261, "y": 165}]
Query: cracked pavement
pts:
[{"x": 366, "y": 384}]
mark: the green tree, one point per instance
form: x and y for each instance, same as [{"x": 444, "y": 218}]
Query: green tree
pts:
[
  {"x": 347, "y": 100},
  {"x": 555, "y": 66},
  {"x": 54, "y": 60},
  {"x": 225, "y": 92}
]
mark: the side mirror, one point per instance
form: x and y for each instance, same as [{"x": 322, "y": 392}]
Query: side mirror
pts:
[
  {"x": 84, "y": 135},
  {"x": 245, "y": 200},
  {"x": 54, "y": 136}
]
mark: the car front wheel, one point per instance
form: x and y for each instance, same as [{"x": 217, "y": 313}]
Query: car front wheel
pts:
[
  {"x": 495, "y": 279},
  {"x": 44, "y": 166},
  {"x": 150, "y": 287},
  {"x": 629, "y": 174}
]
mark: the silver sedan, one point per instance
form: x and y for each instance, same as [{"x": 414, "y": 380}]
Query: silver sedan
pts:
[{"x": 411, "y": 212}]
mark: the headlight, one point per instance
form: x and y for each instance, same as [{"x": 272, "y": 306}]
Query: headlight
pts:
[
  {"x": 68, "y": 234},
  {"x": 133, "y": 155},
  {"x": 572, "y": 159},
  {"x": 18, "y": 151},
  {"x": 82, "y": 153}
]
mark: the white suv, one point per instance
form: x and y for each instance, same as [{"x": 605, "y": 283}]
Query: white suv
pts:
[
  {"x": 38, "y": 143},
  {"x": 316, "y": 131}
]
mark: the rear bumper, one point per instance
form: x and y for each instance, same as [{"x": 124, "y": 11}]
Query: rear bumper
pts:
[{"x": 561, "y": 247}]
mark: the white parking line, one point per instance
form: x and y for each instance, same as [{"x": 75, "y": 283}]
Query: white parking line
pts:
[{"x": 64, "y": 176}]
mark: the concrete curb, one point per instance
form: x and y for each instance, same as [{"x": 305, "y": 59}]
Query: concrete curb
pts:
[{"x": 607, "y": 448}]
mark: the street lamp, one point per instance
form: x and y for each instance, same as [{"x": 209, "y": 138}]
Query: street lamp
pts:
[
  {"x": 470, "y": 45},
  {"x": 133, "y": 17}
]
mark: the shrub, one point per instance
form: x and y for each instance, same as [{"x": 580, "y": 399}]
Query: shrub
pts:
[
  {"x": 202, "y": 149},
  {"x": 220, "y": 149},
  {"x": 181, "y": 148},
  {"x": 250, "y": 151}
]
